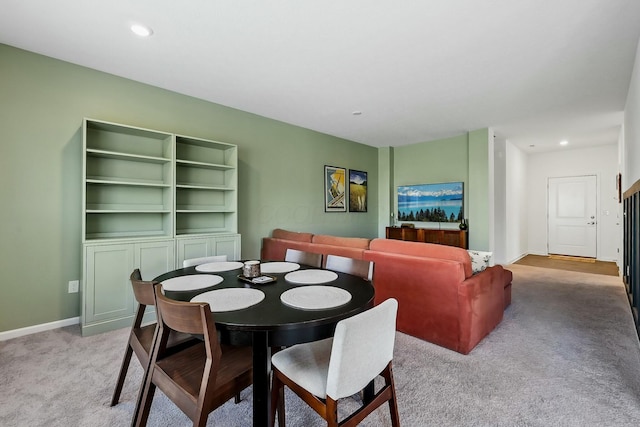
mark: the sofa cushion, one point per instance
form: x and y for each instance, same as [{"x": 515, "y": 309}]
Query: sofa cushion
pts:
[
  {"x": 352, "y": 242},
  {"x": 431, "y": 250},
  {"x": 344, "y": 251},
  {"x": 480, "y": 260},
  {"x": 276, "y": 249},
  {"x": 279, "y": 233}
]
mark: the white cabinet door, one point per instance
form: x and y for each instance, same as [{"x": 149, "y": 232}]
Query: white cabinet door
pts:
[
  {"x": 107, "y": 292},
  {"x": 227, "y": 245},
  {"x": 198, "y": 247},
  {"x": 155, "y": 258},
  {"x": 192, "y": 248},
  {"x": 107, "y": 298}
]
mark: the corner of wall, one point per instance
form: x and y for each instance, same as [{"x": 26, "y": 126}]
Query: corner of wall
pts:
[{"x": 385, "y": 189}]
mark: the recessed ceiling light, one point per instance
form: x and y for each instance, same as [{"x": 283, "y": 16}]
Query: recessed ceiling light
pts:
[
  {"x": 565, "y": 142},
  {"x": 141, "y": 30}
]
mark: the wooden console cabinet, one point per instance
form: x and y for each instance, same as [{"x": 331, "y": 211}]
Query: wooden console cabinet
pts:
[{"x": 427, "y": 235}]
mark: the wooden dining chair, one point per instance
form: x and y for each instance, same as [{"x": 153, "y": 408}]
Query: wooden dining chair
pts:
[
  {"x": 200, "y": 378},
  {"x": 357, "y": 267},
  {"x": 141, "y": 337},
  {"x": 322, "y": 372},
  {"x": 302, "y": 257},
  {"x": 203, "y": 260}
]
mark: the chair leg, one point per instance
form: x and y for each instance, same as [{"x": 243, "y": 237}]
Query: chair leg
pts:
[
  {"x": 281, "y": 421},
  {"x": 141, "y": 413},
  {"x": 368, "y": 392},
  {"x": 331, "y": 412},
  {"x": 280, "y": 405},
  {"x": 393, "y": 403},
  {"x": 277, "y": 401},
  {"x": 201, "y": 419},
  {"x": 122, "y": 375},
  {"x": 384, "y": 395}
]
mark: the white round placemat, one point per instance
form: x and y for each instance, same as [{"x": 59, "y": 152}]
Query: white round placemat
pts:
[
  {"x": 315, "y": 297},
  {"x": 191, "y": 283},
  {"x": 213, "y": 267},
  {"x": 278, "y": 267},
  {"x": 310, "y": 277},
  {"x": 230, "y": 299}
]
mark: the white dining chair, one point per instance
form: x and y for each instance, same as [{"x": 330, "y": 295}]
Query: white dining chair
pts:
[
  {"x": 322, "y": 372},
  {"x": 357, "y": 267},
  {"x": 203, "y": 260},
  {"x": 302, "y": 257}
]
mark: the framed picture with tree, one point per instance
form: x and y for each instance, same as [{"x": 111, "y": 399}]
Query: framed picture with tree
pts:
[{"x": 357, "y": 191}]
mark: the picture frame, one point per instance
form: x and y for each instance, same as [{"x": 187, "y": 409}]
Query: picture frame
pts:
[
  {"x": 358, "y": 194},
  {"x": 619, "y": 187},
  {"x": 335, "y": 189}
]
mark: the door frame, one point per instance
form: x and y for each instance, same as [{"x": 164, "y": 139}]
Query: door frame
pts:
[{"x": 597, "y": 208}]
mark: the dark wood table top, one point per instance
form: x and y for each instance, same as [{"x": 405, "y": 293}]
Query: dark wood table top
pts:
[{"x": 285, "y": 325}]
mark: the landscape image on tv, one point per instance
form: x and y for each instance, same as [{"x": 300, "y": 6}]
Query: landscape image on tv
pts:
[{"x": 441, "y": 202}]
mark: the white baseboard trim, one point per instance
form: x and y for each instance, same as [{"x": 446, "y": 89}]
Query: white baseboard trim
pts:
[
  {"x": 15, "y": 333},
  {"x": 536, "y": 253},
  {"x": 516, "y": 259}
]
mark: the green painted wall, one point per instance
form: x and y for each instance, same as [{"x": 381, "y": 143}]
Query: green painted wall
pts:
[
  {"x": 42, "y": 105},
  {"x": 479, "y": 194},
  {"x": 443, "y": 160},
  {"x": 386, "y": 189},
  {"x": 460, "y": 158}
]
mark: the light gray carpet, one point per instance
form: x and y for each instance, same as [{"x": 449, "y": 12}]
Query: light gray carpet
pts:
[{"x": 566, "y": 354}]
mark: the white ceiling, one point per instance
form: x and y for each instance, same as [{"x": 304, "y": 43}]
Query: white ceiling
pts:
[{"x": 536, "y": 71}]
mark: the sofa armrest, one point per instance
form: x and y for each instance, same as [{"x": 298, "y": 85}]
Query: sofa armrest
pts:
[
  {"x": 427, "y": 294},
  {"x": 481, "y": 300}
]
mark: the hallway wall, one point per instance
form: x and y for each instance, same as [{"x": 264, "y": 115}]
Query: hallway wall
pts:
[
  {"x": 515, "y": 226},
  {"x": 601, "y": 161}
]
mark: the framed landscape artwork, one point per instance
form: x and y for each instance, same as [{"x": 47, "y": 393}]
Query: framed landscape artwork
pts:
[
  {"x": 357, "y": 191},
  {"x": 334, "y": 189}
]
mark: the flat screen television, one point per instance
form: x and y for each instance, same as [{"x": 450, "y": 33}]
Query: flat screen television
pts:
[{"x": 442, "y": 202}]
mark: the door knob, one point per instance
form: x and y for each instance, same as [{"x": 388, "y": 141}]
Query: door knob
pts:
[{"x": 591, "y": 223}]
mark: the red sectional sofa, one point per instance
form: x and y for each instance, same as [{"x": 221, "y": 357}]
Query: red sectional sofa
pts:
[
  {"x": 275, "y": 247},
  {"x": 440, "y": 299}
]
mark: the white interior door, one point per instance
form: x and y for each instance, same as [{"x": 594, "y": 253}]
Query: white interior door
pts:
[{"x": 572, "y": 216}]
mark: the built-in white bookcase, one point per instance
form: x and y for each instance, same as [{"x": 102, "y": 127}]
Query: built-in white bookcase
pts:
[
  {"x": 150, "y": 199},
  {"x": 128, "y": 183},
  {"x": 206, "y": 187}
]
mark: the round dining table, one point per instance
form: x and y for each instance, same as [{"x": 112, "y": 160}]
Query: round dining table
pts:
[{"x": 302, "y": 304}]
